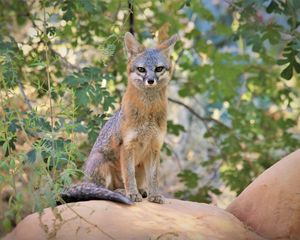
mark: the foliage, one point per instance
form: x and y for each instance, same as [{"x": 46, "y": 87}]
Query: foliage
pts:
[
  {"x": 62, "y": 72},
  {"x": 192, "y": 191}
]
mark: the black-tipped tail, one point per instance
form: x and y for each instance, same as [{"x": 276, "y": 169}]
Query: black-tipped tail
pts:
[{"x": 90, "y": 191}]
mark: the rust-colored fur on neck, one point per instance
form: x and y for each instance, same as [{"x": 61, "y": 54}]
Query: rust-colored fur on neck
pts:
[{"x": 148, "y": 103}]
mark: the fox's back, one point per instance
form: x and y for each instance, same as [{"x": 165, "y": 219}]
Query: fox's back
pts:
[{"x": 109, "y": 139}]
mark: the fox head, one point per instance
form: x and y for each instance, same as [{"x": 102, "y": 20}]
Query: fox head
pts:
[{"x": 149, "y": 68}]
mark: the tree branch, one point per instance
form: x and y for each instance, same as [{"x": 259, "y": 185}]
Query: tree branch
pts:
[
  {"x": 205, "y": 120},
  {"x": 64, "y": 60},
  {"x": 21, "y": 87},
  {"x": 131, "y": 17}
]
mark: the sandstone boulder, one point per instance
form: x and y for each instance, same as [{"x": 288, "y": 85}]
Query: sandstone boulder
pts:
[
  {"x": 269, "y": 208},
  {"x": 107, "y": 220},
  {"x": 271, "y": 204}
]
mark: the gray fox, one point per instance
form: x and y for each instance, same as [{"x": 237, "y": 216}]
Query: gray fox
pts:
[{"x": 126, "y": 155}]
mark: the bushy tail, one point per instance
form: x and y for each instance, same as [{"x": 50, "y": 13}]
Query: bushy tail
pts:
[{"x": 89, "y": 191}]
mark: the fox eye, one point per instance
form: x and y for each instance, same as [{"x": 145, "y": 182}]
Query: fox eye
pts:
[
  {"x": 141, "y": 69},
  {"x": 159, "y": 69}
]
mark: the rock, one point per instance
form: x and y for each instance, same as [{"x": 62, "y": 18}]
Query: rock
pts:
[
  {"x": 271, "y": 204},
  {"x": 108, "y": 220}
]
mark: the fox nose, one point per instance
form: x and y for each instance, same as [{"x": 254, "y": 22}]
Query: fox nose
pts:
[{"x": 150, "y": 81}]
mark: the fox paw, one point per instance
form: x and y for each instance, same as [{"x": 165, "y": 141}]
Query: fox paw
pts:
[
  {"x": 143, "y": 192},
  {"x": 156, "y": 199},
  {"x": 121, "y": 191},
  {"x": 135, "y": 197}
]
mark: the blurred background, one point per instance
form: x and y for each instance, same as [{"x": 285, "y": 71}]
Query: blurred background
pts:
[{"x": 233, "y": 100}]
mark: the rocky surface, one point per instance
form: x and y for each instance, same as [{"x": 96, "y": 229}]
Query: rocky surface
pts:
[
  {"x": 269, "y": 208},
  {"x": 271, "y": 204},
  {"x": 107, "y": 220}
]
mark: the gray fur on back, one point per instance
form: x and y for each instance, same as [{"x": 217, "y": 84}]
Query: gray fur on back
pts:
[
  {"x": 110, "y": 129},
  {"x": 91, "y": 190},
  {"x": 102, "y": 151}
]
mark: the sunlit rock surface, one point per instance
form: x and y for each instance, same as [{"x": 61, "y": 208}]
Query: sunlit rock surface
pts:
[
  {"x": 270, "y": 207},
  {"x": 271, "y": 204},
  {"x": 107, "y": 220}
]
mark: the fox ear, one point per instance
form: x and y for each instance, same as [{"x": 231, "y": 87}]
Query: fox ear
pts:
[
  {"x": 133, "y": 47},
  {"x": 167, "y": 46}
]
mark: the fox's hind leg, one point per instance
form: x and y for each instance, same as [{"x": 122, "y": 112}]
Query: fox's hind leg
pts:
[
  {"x": 96, "y": 169},
  {"x": 116, "y": 179}
]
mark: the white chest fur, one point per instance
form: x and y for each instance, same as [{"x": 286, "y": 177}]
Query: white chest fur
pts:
[{"x": 144, "y": 134}]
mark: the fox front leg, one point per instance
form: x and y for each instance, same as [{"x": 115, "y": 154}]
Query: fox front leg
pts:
[
  {"x": 128, "y": 174},
  {"x": 152, "y": 175}
]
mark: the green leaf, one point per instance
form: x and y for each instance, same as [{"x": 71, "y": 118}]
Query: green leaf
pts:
[
  {"x": 188, "y": 3},
  {"x": 4, "y": 166},
  {"x": 296, "y": 66},
  {"x": 287, "y": 73},
  {"x": 183, "y": 92},
  {"x": 38, "y": 64},
  {"x": 5, "y": 148},
  {"x": 81, "y": 97},
  {"x": 12, "y": 164},
  {"x": 31, "y": 156},
  {"x": 215, "y": 191},
  {"x": 68, "y": 8},
  {"x": 108, "y": 103},
  {"x": 51, "y": 31},
  {"x": 174, "y": 129},
  {"x": 7, "y": 224},
  {"x": 189, "y": 178},
  {"x": 87, "y": 5},
  {"x": 80, "y": 128},
  {"x": 71, "y": 80},
  {"x": 166, "y": 149},
  {"x": 282, "y": 61},
  {"x": 272, "y": 6}
]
